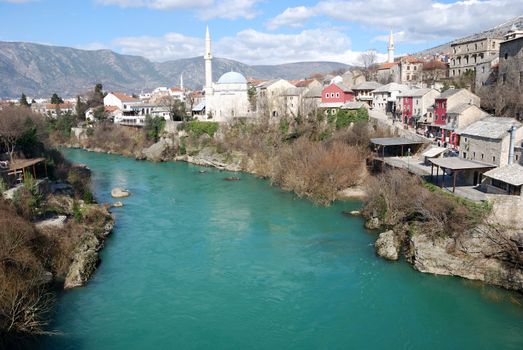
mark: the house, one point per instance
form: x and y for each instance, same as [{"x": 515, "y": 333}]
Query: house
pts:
[
  {"x": 54, "y": 110},
  {"x": 312, "y": 100},
  {"x": 459, "y": 117},
  {"x": 270, "y": 97},
  {"x": 384, "y": 97},
  {"x": 507, "y": 180},
  {"x": 411, "y": 70},
  {"x": 389, "y": 72},
  {"x": 353, "y": 78},
  {"x": 307, "y": 83},
  {"x": 334, "y": 96},
  {"x": 363, "y": 91},
  {"x": 413, "y": 104},
  {"x": 177, "y": 93},
  {"x": 488, "y": 140},
  {"x": 434, "y": 71},
  {"x": 120, "y": 100},
  {"x": 294, "y": 101}
]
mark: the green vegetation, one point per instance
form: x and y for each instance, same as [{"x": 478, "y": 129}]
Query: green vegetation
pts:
[
  {"x": 198, "y": 128},
  {"x": 344, "y": 117},
  {"x": 23, "y": 101},
  {"x": 154, "y": 127},
  {"x": 56, "y": 100}
]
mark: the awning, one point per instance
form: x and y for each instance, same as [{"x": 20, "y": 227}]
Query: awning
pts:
[
  {"x": 199, "y": 107},
  {"x": 434, "y": 152}
]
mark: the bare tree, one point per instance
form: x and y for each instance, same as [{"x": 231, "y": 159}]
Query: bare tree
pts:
[
  {"x": 12, "y": 127},
  {"x": 368, "y": 61}
]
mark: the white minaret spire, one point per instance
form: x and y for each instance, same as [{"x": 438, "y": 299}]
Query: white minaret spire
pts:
[
  {"x": 391, "y": 48},
  {"x": 208, "y": 62},
  {"x": 181, "y": 81}
]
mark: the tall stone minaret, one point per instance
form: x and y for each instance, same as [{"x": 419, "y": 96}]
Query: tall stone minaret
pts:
[
  {"x": 391, "y": 48},
  {"x": 181, "y": 81},
  {"x": 208, "y": 62}
]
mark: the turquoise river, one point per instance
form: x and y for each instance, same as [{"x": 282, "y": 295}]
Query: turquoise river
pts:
[{"x": 196, "y": 262}]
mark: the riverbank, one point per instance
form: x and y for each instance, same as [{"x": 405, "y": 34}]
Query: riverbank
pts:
[
  {"x": 482, "y": 248},
  {"x": 52, "y": 232}
]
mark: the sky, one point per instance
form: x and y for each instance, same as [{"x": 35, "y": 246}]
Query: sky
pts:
[{"x": 250, "y": 31}]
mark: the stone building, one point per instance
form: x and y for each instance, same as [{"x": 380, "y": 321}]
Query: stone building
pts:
[
  {"x": 363, "y": 91},
  {"x": 414, "y": 104},
  {"x": 384, "y": 97},
  {"x": 467, "y": 54},
  {"x": 270, "y": 97},
  {"x": 488, "y": 140},
  {"x": 510, "y": 74}
]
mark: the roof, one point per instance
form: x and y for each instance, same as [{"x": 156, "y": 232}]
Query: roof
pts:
[
  {"x": 232, "y": 78},
  {"x": 511, "y": 174},
  {"x": 199, "y": 107},
  {"x": 387, "y": 65},
  {"x": 343, "y": 87},
  {"x": 415, "y": 92},
  {"x": 458, "y": 109},
  {"x": 394, "y": 141},
  {"x": 303, "y": 83},
  {"x": 294, "y": 91},
  {"x": 491, "y": 127},
  {"x": 110, "y": 109},
  {"x": 434, "y": 64},
  {"x": 176, "y": 89},
  {"x": 367, "y": 85},
  {"x": 410, "y": 59},
  {"x": 457, "y": 163},
  {"x": 65, "y": 105},
  {"x": 354, "y": 105},
  {"x": 24, "y": 163},
  {"x": 392, "y": 87},
  {"x": 124, "y": 98},
  {"x": 330, "y": 105},
  {"x": 434, "y": 152},
  {"x": 314, "y": 92},
  {"x": 449, "y": 92}
]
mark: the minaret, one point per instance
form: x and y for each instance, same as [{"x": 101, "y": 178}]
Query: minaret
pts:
[
  {"x": 181, "y": 81},
  {"x": 208, "y": 62},
  {"x": 391, "y": 48}
]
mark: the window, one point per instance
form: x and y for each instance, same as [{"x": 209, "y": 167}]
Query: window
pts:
[
  {"x": 464, "y": 154},
  {"x": 499, "y": 184},
  {"x": 506, "y": 55},
  {"x": 483, "y": 69},
  {"x": 337, "y": 94},
  {"x": 482, "y": 156},
  {"x": 408, "y": 67},
  {"x": 474, "y": 154},
  {"x": 494, "y": 159}
]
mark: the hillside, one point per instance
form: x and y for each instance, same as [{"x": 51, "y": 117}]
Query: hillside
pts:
[{"x": 40, "y": 70}]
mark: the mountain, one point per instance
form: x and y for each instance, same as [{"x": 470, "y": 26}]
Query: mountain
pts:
[
  {"x": 40, "y": 70},
  {"x": 495, "y": 32}
]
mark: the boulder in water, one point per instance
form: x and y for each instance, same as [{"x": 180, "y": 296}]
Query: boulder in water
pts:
[
  {"x": 232, "y": 178},
  {"x": 120, "y": 193},
  {"x": 388, "y": 245}
]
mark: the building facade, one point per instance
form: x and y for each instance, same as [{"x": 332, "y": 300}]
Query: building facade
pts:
[{"x": 468, "y": 54}]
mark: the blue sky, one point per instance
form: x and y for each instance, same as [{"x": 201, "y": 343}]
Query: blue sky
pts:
[{"x": 252, "y": 31}]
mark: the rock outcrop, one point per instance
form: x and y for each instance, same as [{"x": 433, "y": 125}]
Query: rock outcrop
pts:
[
  {"x": 161, "y": 150},
  {"x": 484, "y": 254},
  {"x": 120, "y": 193},
  {"x": 85, "y": 256},
  {"x": 388, "y": 246}
]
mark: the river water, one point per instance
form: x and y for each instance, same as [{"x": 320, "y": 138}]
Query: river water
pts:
[{"x": 196, "y": 262}]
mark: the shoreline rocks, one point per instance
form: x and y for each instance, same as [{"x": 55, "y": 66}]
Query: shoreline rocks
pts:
[{"x": 388, "y": 245}]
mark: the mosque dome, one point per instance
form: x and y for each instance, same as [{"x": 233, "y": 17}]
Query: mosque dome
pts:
[{"x": 232, "y": 78}]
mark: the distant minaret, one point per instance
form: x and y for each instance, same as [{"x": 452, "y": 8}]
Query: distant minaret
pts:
[
  {"x": 208, "y": 62},
  {"x": 391, "y": 48},
  {"x": 181, "y": 81}
]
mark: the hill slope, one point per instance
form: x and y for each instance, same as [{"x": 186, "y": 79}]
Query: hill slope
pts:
[{"x": 40, "y": 70}]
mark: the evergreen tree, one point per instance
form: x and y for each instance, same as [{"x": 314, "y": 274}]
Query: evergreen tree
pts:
[
  {"x": 23, "y": 101},
  {"x": 55, "y": 99},
  {"x": 81, "y": 108}
]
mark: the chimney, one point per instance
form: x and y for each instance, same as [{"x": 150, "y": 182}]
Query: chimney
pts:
[{"x": 512, "y": 132}]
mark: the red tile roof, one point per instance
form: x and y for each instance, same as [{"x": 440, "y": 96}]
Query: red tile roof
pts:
[
  {"x": 387, "y": 65},
  {"x": 124, "y": 98}
]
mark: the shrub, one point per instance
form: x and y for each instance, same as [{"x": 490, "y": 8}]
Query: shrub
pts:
[
  {"x": 154, "y": 127},
  {"x": 198, "y": 128}
]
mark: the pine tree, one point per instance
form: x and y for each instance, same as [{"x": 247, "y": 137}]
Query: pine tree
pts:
[
  {"x": 56, "y": 100},
  {"x": 23, "y": 101}
]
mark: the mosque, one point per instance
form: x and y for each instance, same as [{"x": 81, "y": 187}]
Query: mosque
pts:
[{"x": 226, "y": 99}]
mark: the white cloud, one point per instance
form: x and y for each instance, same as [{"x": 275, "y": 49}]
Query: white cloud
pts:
[
  {"x": 292, "y": 17},
  {"x": 418, "y": 20},
  {"x": 207, "y": 9},
  {"x": 248, "y": 46}
]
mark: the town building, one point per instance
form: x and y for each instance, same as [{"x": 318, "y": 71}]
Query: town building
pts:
[
  {"x": 510, "y": 74},
  {"x": 120, "y": 100},
  {"x": 449, "y": 100},
  {"x": 413, "y": 105},
  {"x": 363, "y": 91},
  {"x": 334, "y": 96},
  {"x": 489, "y": 139},
  {"x": 312, "y": 101},
  {"x": 384, "y": 97},
  {"x": 470, "y": 52},
  {"x": 226, "y": 99},
  {"x": 294, "y": 101},
  {"x": 270, "y": 99}
]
